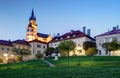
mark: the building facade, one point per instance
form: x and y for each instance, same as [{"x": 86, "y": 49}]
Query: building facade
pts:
[
  {"x": 108, "y": 37},
  {"x": 6, "y": 49},
  {"x": 77, "y": 36}
]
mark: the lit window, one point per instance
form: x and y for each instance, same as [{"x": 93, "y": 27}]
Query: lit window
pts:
[{"x": 68, "y": 36}]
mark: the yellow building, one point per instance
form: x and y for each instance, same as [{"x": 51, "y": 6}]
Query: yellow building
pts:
[{"x": 6, "y": 50}]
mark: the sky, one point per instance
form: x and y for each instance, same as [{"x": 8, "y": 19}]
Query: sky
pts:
[{"x": 57, "y": 16}]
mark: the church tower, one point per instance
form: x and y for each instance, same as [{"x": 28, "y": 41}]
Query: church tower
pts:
[{"x": 31, "y": 32}]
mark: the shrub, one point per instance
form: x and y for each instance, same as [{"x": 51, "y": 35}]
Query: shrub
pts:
[
  {"x": 19, "y": 58},
  {"x": 1, "y": 60},
  {"x": 39, "y": 55}
]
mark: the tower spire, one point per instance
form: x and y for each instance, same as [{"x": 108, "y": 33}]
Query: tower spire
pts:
[{"x": 32, "y": 16}]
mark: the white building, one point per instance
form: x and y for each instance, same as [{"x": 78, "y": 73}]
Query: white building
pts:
[
  {"x": 77, "y": 36},
  {"x": 108, "y": 37}
]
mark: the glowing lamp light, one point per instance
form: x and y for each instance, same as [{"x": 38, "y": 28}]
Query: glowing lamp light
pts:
[
  {"x": 5, "y": 54},
  {"x": 12, "y": 55}
]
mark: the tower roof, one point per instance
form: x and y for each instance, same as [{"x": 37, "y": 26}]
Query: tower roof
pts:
[{"x": 32, "y": 16}]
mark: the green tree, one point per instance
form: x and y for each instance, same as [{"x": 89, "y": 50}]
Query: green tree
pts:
[
  {"x": 91, "y": 51},
  {"x": 67, "y": 46},
  {"x": 20, "y": 52},
  {"x": 111, "y": 46},
  {"x": 39, "y": 56},
  {"x": 49, "y": 51},
  {"x": 90, "y": 48}
]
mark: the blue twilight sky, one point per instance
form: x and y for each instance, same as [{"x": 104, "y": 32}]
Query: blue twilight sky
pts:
[{"x": 57, "y": 16}]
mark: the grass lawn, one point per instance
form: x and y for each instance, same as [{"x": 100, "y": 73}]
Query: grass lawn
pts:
[{"x": 99, "y": 67}]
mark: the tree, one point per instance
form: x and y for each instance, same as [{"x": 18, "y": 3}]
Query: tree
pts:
[
  {"x": 91, "y": 51},
  {"x": 20, "y": 52},
  {"x": 67, "y": 46},
  {"x": 90, "y": 48},
  {"x": 39, "y": 55},
  {"x": 49, "y": 51},
  {"x": 111, "y": 46}
]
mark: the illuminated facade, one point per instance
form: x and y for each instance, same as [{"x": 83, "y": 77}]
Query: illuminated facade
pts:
[{"x": 32, "y": 31}]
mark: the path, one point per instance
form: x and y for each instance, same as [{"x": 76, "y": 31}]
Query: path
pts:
[{"x": 49, "y": 63}]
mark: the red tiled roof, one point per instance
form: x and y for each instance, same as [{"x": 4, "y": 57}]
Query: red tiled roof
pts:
[
  {"x": 73, "y": 34},
  {"x": 117, "y": 31},
  {"x": 4, "y": 42}
]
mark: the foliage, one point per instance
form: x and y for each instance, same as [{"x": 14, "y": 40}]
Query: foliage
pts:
[
  {"x": 19, "y": 58},
  {"x": 67, "y": 46},
  {"x": 39, "y": 55},
  {"x": 91, "y": 51},
  {"x": 49, "y": 51},
  {"x": 111, "y": 46},
  {"x": 19, "y": 51},
  {"x": 1, "y": 60},
  {"x": 88, "y": 44}
]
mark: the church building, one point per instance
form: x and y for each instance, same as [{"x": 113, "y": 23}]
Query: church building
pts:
[{"x": 32, "y": 31}]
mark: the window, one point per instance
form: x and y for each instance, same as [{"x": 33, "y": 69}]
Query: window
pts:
[
  {"x": 74, "y": 35},
  {"x": 38, "y": 46},
  {"x": 38, "y": 52},
  {"x": 68, "y": 36},
  {"x": 106, "y": 52},
  {"x": 44, "y": 47},
  {"x": 99, "y": 52},
  {"x": 55, "y": 45},
  {"x": 2, "y": 48},
  {"x": 8, "y": 49},
  {"x": 51, "y": 44}
]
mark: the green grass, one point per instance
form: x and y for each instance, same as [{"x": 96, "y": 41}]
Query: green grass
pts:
[{"x": 99, "y": 67}]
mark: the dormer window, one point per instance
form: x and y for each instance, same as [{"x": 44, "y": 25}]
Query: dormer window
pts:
[
  {"x": 68, "y": 36},
  {"x": 74, "y": 35},
  {"x": 61, "y": 38},
  {"x": 56, "y": 39}
]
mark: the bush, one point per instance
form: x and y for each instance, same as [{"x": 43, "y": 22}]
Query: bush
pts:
[
  {"x": 19, "y": 58},
  {"x": 1, "y": 60},
  {"x": 63, "y": 53},
  {"x": 11, "y": 60},
  {"x": 39, "y": 56}
]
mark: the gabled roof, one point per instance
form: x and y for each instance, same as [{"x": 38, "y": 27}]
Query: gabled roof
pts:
[
  {"x": 4, "y": 42},
  {"x": 21, "y": 42},
  {"x": 70, "y": 35},
  {"x": 112, "y": 32},
  {"x": 42, "y": 35}
]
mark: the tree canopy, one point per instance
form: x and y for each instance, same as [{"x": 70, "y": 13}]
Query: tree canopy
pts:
[
  {"x": 90, "y": 48},
  {"x": 67, "y": 46},
  {"x": 111, "y": 46}
]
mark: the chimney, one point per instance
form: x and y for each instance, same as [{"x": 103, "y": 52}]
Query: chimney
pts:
[
  {"x": 117, "y": 27},
  {"x": 71, "y": 31},
  {"x": 58, "y": 34},
  {"x": 88, "y": 32},
  {"x": 114, "y": 28},
  {"x": 84, "y": 29}
]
